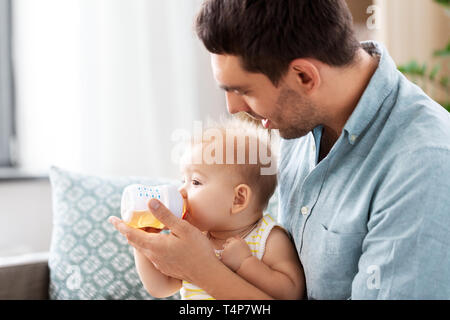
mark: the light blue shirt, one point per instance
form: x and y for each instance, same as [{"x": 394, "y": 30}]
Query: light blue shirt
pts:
[{"x": 372, "y": 219}]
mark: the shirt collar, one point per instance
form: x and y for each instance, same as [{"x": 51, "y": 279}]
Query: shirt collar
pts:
[{"x": 380, "y": 86}]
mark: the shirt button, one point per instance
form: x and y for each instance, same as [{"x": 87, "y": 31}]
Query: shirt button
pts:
[
  {"x": 353, "y": 138},
  {"x": 304, "y": 210},
  {"x": 314, "y": 147}
]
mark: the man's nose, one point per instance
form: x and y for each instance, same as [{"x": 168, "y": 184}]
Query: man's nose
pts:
[{"x": 235, "y": 103}]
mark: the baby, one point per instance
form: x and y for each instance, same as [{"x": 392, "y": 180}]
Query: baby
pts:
[{"x": 226, "y": 200}]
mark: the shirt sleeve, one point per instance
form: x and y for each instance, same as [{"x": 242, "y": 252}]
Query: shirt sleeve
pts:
[{"x": 406, "y": 252}]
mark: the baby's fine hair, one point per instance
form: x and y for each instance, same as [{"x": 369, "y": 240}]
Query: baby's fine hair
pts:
[{"x": 250, "y": 153}]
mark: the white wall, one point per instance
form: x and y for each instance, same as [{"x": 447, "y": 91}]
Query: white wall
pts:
[{"x": 25, "y": 213}]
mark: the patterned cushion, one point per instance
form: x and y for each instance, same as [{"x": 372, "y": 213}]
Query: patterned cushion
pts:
[{"x": 89, "y": 259}]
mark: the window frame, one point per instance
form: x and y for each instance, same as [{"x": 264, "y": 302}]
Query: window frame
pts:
[{"x": 7, "y": 101}]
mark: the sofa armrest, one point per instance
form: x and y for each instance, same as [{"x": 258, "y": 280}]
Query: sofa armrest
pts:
[{"x": 24, "y": 277}]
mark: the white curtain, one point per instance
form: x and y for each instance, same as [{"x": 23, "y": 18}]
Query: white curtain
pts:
[
  {"x": 412, "y": 29},
  {"x": 102, "y": 84}
]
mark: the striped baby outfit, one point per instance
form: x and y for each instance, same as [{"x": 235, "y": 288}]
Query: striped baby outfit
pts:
[{"x": 256, "y": 240}]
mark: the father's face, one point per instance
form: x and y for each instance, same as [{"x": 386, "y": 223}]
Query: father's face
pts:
[{"x": 282, "y": 107}]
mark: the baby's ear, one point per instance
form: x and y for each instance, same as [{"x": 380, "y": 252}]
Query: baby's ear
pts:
[{"x": 242, "y": 196}]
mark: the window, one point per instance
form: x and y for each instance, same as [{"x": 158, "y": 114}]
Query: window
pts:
[{"x": 7, "y": 123}]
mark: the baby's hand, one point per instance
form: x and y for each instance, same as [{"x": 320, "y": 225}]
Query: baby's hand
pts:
[{"x": 235, "y": 251}]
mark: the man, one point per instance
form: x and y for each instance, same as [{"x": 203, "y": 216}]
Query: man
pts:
[{"x": 364, "y": 168}]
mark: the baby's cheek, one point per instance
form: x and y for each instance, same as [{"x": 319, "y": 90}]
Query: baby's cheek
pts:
[
  {"x": 208, "y": 206},
  {"x": 200, "y": 210}
]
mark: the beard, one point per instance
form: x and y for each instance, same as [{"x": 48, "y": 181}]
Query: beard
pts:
[{"x": 295, "y": 116}]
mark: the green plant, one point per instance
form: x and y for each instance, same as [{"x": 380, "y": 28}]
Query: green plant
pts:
[
  {"x": 432, "y": 78},
  {"x": 443, "y": 2}
]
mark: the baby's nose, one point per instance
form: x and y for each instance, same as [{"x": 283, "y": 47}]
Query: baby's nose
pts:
[{"x": 183, "y": 192}]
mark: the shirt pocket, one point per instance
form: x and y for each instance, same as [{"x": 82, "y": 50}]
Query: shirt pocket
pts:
[
  {"x": 335, "y": 243},
  {"x": 335, "y": 264}
]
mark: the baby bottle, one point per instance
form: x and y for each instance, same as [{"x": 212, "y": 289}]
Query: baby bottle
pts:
[{"x": 134, "y": 208}]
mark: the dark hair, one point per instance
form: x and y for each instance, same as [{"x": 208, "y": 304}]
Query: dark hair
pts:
[{"x": 267, "y": 35}]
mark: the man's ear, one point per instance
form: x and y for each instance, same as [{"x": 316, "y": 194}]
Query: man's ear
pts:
[
  {"x": 242, "y": 196},
  {"x": 305, "y": 74}
]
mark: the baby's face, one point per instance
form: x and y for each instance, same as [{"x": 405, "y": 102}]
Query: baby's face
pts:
[{"x": 209, "y": 190}]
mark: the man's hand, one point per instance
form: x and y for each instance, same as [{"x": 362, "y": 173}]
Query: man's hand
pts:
[
  {"x": 235, "y": 251},
  {"x": 182, "y": 254}
]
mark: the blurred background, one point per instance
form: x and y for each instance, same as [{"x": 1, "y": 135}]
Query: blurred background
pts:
[{"x": 99, "y": 86}]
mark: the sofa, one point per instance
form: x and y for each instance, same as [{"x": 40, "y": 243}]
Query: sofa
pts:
[{"x": 25, "y": 277}]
